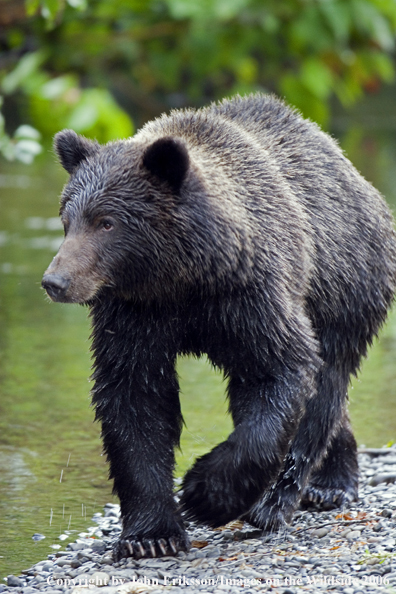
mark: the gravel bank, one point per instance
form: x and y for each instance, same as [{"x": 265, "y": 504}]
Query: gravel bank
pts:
[{"x": 350, "y": 551}]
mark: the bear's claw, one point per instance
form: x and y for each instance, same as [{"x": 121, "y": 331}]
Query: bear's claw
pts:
[
  {"x": 161, "y": 547},
  {"x": 325, "y": 498}
]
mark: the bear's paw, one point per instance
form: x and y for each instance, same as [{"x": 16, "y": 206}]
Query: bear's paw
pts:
[
  {"x": 270, "y": 518},
  {"x": 327, "y": 499},
  {"x": 150, "y": 547}
]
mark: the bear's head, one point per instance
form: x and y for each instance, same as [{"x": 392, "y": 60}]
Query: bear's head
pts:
[{"x": 119, "y": 211}]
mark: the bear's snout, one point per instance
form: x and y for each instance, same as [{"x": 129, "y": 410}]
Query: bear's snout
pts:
[{"x": 56, "y": 286}]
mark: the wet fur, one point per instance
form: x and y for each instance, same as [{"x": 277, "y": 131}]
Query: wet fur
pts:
[{"x": 243, "y": 232}]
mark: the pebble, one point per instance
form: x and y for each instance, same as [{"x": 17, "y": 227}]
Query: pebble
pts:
[
  {"x": 320, "y": 532},
  {"x": 13, "y": 581},
  {"x": 319, "y": 551},
  {"x": 353, "y": 534}
]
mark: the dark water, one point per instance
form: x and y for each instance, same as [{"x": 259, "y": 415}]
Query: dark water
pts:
[{"x": 52, "y": 474}]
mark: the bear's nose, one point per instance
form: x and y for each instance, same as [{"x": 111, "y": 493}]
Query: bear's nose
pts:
[{"x": 56, "y": 286}]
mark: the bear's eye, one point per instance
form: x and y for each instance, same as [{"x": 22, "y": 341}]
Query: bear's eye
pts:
[{"x": 106, "y": 225}]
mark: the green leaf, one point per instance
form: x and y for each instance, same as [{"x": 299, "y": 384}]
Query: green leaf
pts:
[
  {"x": 78, "y": 4},
  {"x": 84, "y": 116},
  {"x": 26, "y": 67},
  {"x": 382, "y": 65},
  {"x": 50, "y": 8},
  {"x": 26, "y": 150},
  {"x": 270, "y": 23},
  {"x": 297, "y": 94},
  {"x": 246, "y": 70},
  {"x": 317, "y": 77},
  {"x": 98, "y": 115},
  {"x": 184, "y": 9},
  {"x": 27, "y": 132},
  {"x": 227, "y": 9},
  {"x": 32, "y": 7},
  {"x": 338, "y": 17},
  {"x": 56, "y": 87},
  {"x": 387, "y": 9},
  {"x": 369, "y": 20},
  {"x": 222, "y": 10},
  {"x": 348, "y": 90},
  {"x": 308, "y": 30}
]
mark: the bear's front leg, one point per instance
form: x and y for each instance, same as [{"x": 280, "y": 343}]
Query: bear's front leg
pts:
[{"x": 136, "y": 398}]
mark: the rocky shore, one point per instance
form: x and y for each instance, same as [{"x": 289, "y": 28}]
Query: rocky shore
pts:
[{"x": 351, "y": 551}]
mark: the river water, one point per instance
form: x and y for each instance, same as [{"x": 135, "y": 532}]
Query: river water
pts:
[{"x": 53, "y": 476}]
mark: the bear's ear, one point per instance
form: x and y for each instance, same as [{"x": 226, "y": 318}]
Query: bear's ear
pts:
[
  {"x": 167, "y": 159},
  {"x": 72, "y": 149}
]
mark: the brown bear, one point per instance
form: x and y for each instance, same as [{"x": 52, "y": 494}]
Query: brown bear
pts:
[{"x": 240, "y": 231}]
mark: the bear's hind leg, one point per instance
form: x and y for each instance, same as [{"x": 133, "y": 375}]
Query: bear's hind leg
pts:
[
  {"x": 335, "y": 482},
  {"x": 323, "y": 414},
  {"x": 225, "y": 483}
]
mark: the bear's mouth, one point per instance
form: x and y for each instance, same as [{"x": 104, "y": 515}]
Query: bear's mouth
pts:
[{"x": 62, "y": 289}]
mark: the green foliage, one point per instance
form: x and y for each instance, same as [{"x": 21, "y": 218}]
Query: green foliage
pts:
[
  {"x": 73, "y": 56},
  {"x": 91, "y": 111},
  {"x": 23, "y": 146},
  {"x": 50, "y": 9}
]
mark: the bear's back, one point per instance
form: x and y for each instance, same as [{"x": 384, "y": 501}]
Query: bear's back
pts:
[
  {"x": 252, "y": 129},
  {"x": 281, "y": 163}
]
